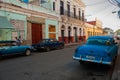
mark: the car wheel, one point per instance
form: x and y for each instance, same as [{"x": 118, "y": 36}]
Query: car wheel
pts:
[
  {"x": 27, "y": 52},
  {"x": 47, "y": 49},
  {"x": 57, "y": 47},
  {"x": 61, "y": 46}
]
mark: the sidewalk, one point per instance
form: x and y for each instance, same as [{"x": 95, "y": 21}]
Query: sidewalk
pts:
[
  {"x": 116, "y": 72},
  {"x": 73, "y": 44}
]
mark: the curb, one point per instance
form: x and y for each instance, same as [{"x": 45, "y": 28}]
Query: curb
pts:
[
  {"x": 116, "y": 72},
  {"x": 73, "y": 44}
]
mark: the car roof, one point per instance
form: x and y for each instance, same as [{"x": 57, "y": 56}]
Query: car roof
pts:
[{"x": 100, "y": 37}]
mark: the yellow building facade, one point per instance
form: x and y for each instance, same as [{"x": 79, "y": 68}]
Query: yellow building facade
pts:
[{"x": 94, "y": 28}]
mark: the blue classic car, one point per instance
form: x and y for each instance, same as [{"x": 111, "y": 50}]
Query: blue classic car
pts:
[
  {"x": 98, "y": 49},
  {"x": 10, "y": 48},
  {"x": 48, "y": 44}
]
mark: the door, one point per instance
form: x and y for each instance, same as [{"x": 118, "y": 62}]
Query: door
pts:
[
  {"x": 36, "y": 33},
  {"x": 62, "y": 35}
]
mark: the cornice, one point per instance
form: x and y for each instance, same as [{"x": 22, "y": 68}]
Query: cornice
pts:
[{"x": 16, "y": 8}]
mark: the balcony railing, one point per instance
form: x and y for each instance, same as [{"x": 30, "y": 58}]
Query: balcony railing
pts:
[{"x": 72, "y": 15}]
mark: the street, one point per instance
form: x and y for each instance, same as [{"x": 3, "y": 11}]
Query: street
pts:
[{"x": 53, "y": 65}]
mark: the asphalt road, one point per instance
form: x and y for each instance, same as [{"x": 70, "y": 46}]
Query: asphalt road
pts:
[
  {"x": 53, "y": 65},
  {"x": 116, "y": 72}
]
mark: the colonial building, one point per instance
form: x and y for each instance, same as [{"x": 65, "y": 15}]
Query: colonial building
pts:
[
  {"x": 108, "y": 31},
  {"x": 71, "y": 20},
  {"x": 28, "y": 20},
  {"x": 93, "y": 28},
  {"x": 34, "y": 20}
]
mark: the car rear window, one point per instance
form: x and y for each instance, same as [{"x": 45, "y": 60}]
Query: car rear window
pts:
[{"x": 98, "y": 42}]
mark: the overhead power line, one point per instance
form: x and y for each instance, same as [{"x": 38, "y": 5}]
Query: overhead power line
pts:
[
  {"x": 118, "y": 3},
  {"x": 114, "y": 2}
]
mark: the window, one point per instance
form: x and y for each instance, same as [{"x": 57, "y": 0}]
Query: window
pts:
[
  {"x": 61, "y": 7},
  {"x": 18, "y": 28},
  {"x": 74, "y": 12},
  {"x": 53, "y": 6},
  {"x": 79, "y": 14},
  {"x": 82, "y": 15},
  {"x": 52, "y": 28},
  {"x": 68, "y": 9}
]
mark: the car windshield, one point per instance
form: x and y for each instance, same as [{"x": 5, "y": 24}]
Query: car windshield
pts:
[
  {"x": 7, "y": 43},
  {"x": 98, "y": 42}
]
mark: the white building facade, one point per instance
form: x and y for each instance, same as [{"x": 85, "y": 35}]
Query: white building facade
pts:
[
  {"x": 71, "y": 20},
  {"x": 71, "y": 25}
]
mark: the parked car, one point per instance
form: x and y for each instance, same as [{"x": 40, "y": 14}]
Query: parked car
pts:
[
  {"x": 48, "y": 44},
  {"x": 10, "y": 48},
  {"x": 98, "y": 49}
]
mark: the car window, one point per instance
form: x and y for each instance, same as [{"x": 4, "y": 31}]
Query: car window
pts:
[
  {"x": 51, "y": 40},
  {"x": 7, "y": 44},
  {"x": 45, "y": 40},
  {"x": 98, "y": 42},
  {"x": 55, "y": 40}
]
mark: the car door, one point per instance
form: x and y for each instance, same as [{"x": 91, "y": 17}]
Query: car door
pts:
[
  {"x": 54, "y": 43},
  {"x": 8, "y": 50},
  {"x": 57, "y": 44},
  {"x": 51, "y": 43},
  {"x": 11, "y": 50}
]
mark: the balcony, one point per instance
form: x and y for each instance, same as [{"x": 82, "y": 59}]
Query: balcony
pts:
[{"x": 70, "y": 17}]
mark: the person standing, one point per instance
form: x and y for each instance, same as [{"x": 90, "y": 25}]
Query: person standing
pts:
[{"x": 18, "y": 41}]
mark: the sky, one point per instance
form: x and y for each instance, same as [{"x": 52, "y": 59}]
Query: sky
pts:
[{"x": 102, "y": 10}]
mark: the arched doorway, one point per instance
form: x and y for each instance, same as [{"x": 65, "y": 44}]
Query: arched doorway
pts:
[
  {"x": 69, "y": 34},
  {"x": 63, "y": 33},
  {"x": 75, "y": 35},
  {"x": 84, "y": 35},
  {"x": 80, "y": 32}
]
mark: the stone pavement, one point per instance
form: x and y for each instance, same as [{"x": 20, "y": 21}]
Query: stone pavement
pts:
[{"x": 116, "y": 72}]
